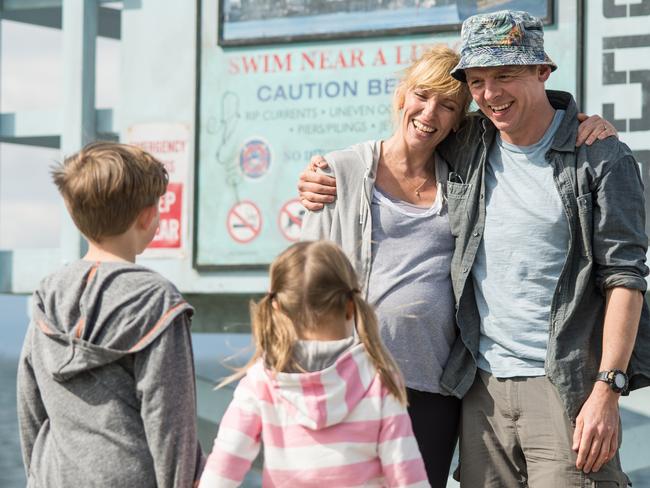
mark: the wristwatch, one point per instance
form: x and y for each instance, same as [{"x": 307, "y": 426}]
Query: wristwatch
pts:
[{"x": 615, "y": 378}]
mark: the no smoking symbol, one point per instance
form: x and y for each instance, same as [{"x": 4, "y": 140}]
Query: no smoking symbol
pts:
[
  {"x": 244, "y": 222},
  {"x": 290, "y": 220}
]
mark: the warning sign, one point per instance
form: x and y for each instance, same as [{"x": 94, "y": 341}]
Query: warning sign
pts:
[
  {"x": 290, "y": 219},
  {"x": 168, "y": 235},
  {"x": 244, "y": 222},
  {"x": 170, "y": 144},
  {"x": 255, "y": 158}
]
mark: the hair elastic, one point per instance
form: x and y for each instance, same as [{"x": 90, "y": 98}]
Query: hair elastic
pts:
[{"x": 352, "y": 292}]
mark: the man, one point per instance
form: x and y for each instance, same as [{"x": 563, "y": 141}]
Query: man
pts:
[
  {"x": 548, "y": 273},
  {"x": 553, "y": 239}
]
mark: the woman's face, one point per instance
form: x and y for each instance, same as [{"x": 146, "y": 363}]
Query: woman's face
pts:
[{"x": 428, "y": 117}]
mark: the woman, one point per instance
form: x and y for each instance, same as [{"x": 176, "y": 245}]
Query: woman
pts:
[
  {"x": 390, "y": 217},
  {"x": 390, "y": 202}
]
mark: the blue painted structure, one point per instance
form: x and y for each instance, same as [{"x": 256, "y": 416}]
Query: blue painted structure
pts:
[{"x": 158, "y": 83}]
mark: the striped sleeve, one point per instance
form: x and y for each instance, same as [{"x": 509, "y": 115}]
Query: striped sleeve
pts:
[
  {"x": 400, "y": 457},
  {"x": 238, "y": 441}
]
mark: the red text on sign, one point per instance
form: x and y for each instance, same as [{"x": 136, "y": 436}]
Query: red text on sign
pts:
[{"x": 168, "y": 235}]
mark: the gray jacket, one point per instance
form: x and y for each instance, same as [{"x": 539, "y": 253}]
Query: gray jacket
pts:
[
  {"x": 348, "y": 220},
  {"x": 106, "y": 393},
  {"x": 602, "y": 194}
]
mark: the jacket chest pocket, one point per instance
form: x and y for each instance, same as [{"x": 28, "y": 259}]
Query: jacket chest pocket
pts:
[
  {"x": 457, "y": 198},
  {"x": 586, "y": 223}
]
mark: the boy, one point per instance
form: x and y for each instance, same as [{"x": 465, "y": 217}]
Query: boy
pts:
[{"x": 106, "y": 393}]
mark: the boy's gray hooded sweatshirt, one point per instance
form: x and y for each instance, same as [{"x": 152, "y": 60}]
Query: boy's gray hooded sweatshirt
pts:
[{"x": 106, "y": 392}]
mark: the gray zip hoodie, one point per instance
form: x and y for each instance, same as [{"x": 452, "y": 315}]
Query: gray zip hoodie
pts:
[
  {"x": 106, "y": 393},
  {"x": 348, "y": 220}
]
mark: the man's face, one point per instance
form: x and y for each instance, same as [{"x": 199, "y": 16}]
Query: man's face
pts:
[{"x": 512, "y": 97}]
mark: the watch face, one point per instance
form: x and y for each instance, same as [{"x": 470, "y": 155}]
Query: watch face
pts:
[{"x": 619, "y": 380}]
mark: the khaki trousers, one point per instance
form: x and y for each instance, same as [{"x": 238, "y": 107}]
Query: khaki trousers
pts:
[{"x": 515, "y": 433}]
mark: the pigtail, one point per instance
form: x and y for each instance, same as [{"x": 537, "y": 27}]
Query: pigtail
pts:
[
  {"x": 274, "y": 336},
  {"x": 368, "y": 330}
]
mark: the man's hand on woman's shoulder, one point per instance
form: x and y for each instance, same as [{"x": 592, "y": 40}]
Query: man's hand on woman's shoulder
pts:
[{"x": 315, "y": 188}]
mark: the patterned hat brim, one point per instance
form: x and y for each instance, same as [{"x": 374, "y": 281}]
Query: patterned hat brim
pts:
[{"x": 489, "y": 57}]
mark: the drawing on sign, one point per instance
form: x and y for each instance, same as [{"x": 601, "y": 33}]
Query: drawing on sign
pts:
[
  {"x": 255, "y": 158},
  {"x": 290, "y": 219},
  {"x": 244, "y": 222}
]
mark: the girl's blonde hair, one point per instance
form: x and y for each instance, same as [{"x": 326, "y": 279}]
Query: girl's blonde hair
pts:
[
  {"x": 311, "y": 282},
  {"x": 430, "y": 72}
]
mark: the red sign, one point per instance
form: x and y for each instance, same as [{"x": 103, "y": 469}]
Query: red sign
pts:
[
  {"x": 169, "y": 229},
  {"x": 290, "y": 219}
]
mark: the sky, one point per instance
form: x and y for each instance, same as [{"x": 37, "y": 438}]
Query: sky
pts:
[{"x": 31, "y": 79}]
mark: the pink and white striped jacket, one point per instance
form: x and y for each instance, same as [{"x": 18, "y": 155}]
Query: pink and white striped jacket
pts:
[{"x": 338, "y": 427}]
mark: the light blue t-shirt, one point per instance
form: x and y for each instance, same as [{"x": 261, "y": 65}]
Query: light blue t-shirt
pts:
[{"x": 519, "y": 261}]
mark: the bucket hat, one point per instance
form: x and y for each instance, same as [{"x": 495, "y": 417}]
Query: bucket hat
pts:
[{"x": 502, "y": 38}]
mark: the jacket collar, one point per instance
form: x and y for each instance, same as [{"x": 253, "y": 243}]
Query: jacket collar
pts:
[{"x": 566, "y": 135}]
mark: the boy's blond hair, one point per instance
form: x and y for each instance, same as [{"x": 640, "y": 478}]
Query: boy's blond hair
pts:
[{"x": 106, "y": 185}]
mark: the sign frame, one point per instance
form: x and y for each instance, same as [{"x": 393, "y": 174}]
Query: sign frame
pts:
[
  {"x": 208, "y": 32},
  {"x": 351, "y": 34}
]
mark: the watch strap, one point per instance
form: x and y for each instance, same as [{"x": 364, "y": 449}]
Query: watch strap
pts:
[
  {"x": 609, "y": 377},
  {"x": 605, "y": 376}
]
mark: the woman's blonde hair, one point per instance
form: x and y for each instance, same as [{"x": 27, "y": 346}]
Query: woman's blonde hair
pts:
[
  {"x": 430, "y": 72},
  {"x": 312, "y": 282}
]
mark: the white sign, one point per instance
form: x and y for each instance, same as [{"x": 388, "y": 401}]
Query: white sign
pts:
[
  {"x": 169, "y": 143},
  {"x": 244, "y": 222},
  {"x": 617, "y": 68},
  {"x": 290, "y": 220}
]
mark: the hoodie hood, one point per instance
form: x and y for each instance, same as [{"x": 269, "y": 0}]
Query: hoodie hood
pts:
[
  {"x": 324, "y": 398},
  {"x": 90, "y": 314}
]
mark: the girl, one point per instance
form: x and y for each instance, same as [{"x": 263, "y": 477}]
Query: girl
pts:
[{"x": 329, "y": 408}]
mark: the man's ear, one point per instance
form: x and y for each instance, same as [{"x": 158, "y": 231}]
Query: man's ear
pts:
[
  {"x": 146, "y": 216},
  {"x": 543, "y": 72}
]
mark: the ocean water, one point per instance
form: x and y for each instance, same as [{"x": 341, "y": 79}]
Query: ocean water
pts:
[
  {"x": 12, "y": 474},
  {"x": 209, "y": 352},
  {"x": 13, "y": 324}
]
